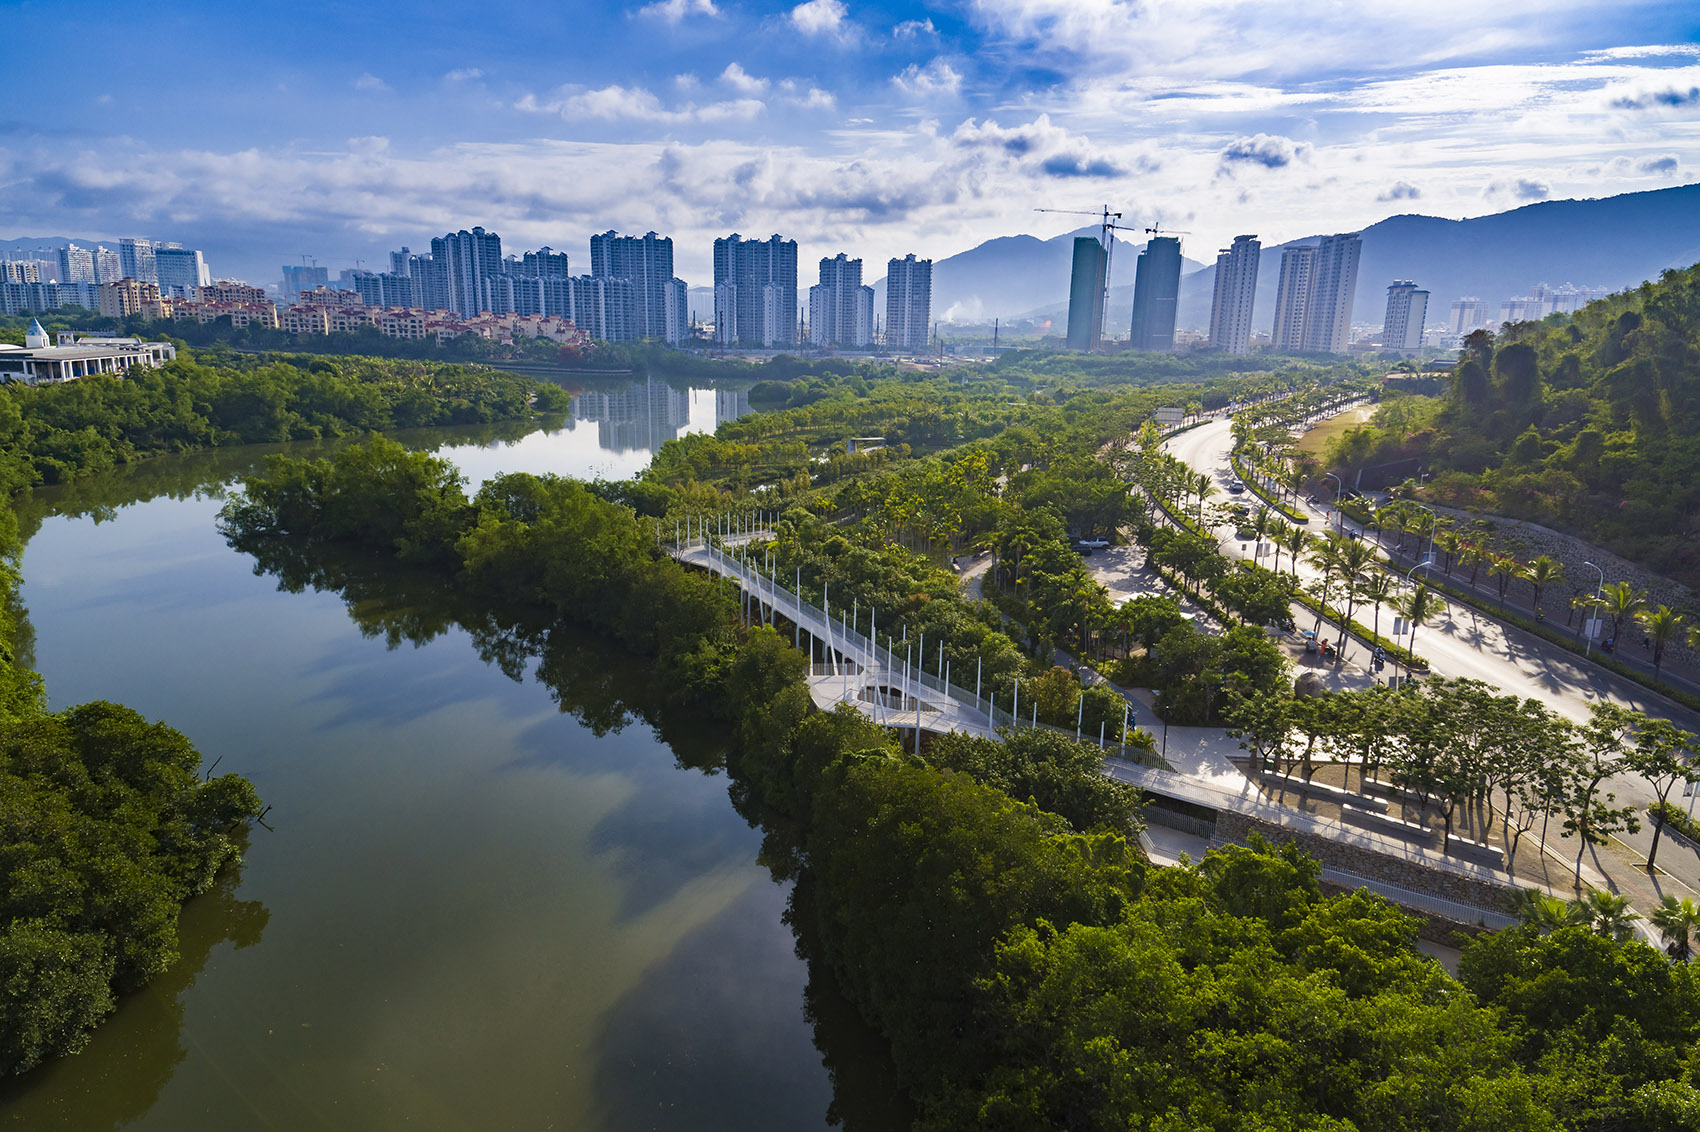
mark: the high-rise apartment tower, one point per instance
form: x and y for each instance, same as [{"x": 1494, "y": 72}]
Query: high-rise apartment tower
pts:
[
  {"x": 1156, "y": 287},
  {"x": 1407, "y": 308},
  {"x": 841, "y": 309},
  {"x": 647, "y": 261},
  {"x": 1236, "y": 294},
  {"x": 1086, "y": 294},
  {"x": 755, "y": 291},
  {"x": 1313, "y": 300},
  {"x": 464, "y": 263},
  {"x": 908, "y": 303}
]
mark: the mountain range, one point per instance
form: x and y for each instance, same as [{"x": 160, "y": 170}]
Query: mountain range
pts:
[
  {"x": 1612, "y": 243},
  {"x": 1008, "y": 276}
]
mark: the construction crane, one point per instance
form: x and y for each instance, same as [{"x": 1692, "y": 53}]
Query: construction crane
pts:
[
  {"x": 1107, "y": 229},
  {"x": 1166, "y": 231}
]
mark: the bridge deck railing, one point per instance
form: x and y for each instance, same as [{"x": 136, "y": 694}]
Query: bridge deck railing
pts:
[{"x": 894, "y": 666}]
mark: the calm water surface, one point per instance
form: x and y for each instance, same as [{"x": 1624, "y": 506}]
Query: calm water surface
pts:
[{"x": 478, "y": 905}]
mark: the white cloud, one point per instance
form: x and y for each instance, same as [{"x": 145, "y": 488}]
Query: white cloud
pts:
[
  {"x": 673, "y": 11},
  {"x": 1319, "y": 134},
  {"x": 937, "y": 77},
  {"x": 1042, "y": 148},
  {"x": 463, "y": 74},
  {"x": 1271, "y": 151},
  {"x": 819, "y": 17},
  {"x": 740, "y": 79},
  {"x": 1214, "y": 39},
  {"x": 1668, "y": 98},
  {"x": 1650, "y": 51},
  {"x": 612, "y": 103},
  {"x": 369, "y": 81}
]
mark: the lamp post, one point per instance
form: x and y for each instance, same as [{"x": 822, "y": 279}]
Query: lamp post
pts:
[
  {"x": 1588, "y": 645},
  {"x": 1338, "y": 486}
]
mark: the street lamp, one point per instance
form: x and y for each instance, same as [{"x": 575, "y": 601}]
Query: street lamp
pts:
[
  {"x": 1338, "y": 486},
  {"x": 1588, "y": 645}
]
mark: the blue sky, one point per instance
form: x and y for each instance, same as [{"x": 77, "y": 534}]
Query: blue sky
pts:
[{"x": 260, "y": 132}]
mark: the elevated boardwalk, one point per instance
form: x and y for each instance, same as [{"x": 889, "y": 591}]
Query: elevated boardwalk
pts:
[
  {"x": 886, "y": 682},
  {"x": 888, "y": 686}
]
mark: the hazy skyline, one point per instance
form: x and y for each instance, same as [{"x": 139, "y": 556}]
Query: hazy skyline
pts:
[{"x": 876, "y": 129}]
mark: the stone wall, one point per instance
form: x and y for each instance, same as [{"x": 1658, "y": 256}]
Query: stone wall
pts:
[
  {"x": 1530, "y": 540},
  {"x": 1477, "y": 893}
]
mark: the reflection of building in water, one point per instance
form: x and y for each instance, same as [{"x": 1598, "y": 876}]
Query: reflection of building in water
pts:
[
  {"x": 729, "y": 405},
  {"x": 642, "y": 416}
]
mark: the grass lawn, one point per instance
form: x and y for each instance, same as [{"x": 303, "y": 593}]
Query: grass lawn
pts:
[{"x": 1318, "y": 437}]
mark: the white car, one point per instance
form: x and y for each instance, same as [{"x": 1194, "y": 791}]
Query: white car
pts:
[{"x": 1094, "y": 543}]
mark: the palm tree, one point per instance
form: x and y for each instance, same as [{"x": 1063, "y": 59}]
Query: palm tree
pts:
[
  {"x": 1676, "y": 921},
  {"x": 1204, "y": 490},
  {"x": 1325, "y": 557},
  {"x": 1378, "y": 587},
  {"x": 1605, "y": 913},
  {"x": 1584, "y": 603},
  {"x": 1261, "y": 524},
  {"x": 1448, "y": 542},
  {"x": 1388, "y": 516},
  {"x": 1473, "y": 556},
  {"x": 1543, "y": 572},
  {"x": 1621, "y": 602},
  {"x": 1538, "y": 910},
  {"x": 1505, "y": 569},
  {"x": 1662, "y": 625},
  {"x": 1422, "y": 606},
  {"x": 1354, "y": 558},
  {"x": 1297, "y": 538},
  {"x": 1278, "y": 530}
]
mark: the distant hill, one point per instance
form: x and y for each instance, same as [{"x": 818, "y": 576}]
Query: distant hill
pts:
[
  {"x": 44, "y": 247},
  {"x": 1614, "y": 242}
]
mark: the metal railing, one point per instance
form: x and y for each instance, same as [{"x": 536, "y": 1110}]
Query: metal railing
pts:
[{"x": 900, "y": 673}]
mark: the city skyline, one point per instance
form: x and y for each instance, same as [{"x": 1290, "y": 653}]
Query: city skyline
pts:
[{"x": 862, "y": 128}]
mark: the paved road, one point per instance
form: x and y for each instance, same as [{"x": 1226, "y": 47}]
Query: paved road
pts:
[{"x": 1464, "y": 643}]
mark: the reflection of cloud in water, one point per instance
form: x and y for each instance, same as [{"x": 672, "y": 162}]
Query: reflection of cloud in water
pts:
[
  {"x": 399, "y": 689},
  {"x": 714, "y": 1036},
  {"x": 672, "y": 830},
  {"x": 193, "y": 582}
]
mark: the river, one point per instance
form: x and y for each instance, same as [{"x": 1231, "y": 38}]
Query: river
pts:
[{"x": 498, "y": 888}]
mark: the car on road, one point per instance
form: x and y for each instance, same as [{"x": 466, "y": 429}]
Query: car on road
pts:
[
  {"x": 1095, "y": 543},
  {"x": 1235, "y": 487}
]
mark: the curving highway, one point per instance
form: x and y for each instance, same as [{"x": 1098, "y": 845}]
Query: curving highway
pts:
[{"x": 1465, "y": 643}]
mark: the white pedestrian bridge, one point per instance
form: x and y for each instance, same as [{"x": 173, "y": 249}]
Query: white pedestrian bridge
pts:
[{"x": 887, "y": 683}]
